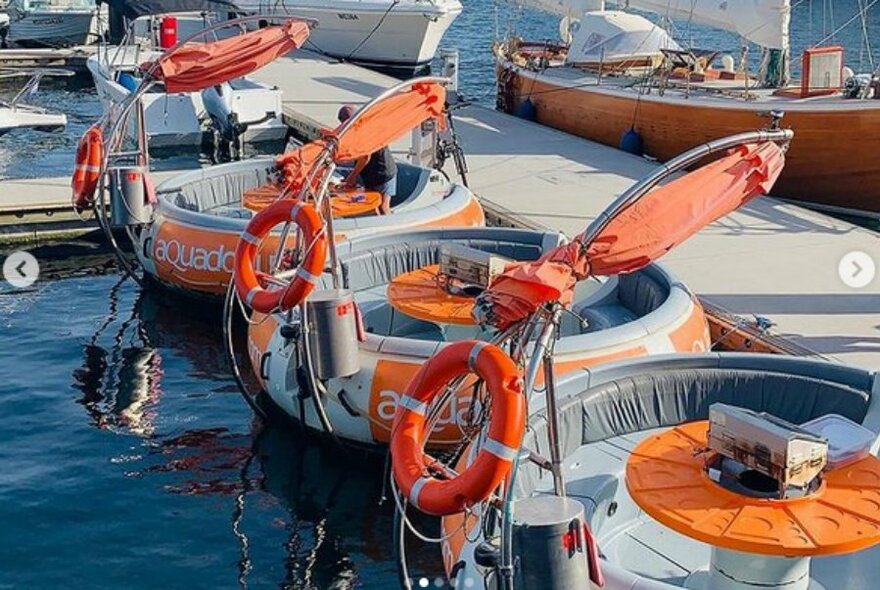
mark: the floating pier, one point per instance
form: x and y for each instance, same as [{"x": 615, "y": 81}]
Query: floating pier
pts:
[
  {"x": 34, "y": 210},
  {"x": 73, "y": 58},
  {"x": 772, "y": 259}
]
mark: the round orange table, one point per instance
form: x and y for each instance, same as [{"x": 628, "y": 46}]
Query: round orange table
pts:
[
  {"x": 666, "y": 477},
  {"x": 344, "y": 202},
  {"x": 420, "y": 294}
]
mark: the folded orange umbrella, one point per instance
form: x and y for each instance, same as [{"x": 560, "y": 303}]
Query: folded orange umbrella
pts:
[
  {"x": 196, "y": 66},
  {"x": 637, "y": 236},
  {"x": 371, "y": 130}
]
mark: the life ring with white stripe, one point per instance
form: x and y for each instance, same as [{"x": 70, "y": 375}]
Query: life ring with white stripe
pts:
[
  {"x": 251, "y": 284},
  {"x": 87, "y": 173},
  {"x": 414, "y": 471}
]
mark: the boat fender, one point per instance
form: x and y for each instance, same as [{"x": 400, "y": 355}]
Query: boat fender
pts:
[
  {"x": 87, "y": 173},
  {"x": 168, "y": 32},
  {"x": 150, "y": 189},
  {"x": 632, "y": 142},
  {"x": 588, "y": 542},
  {"x": 249, "y": 282},
  {"x": 128, "y": 81},
  {"x": 418, "y": 475},
  {"x": 526, "y": 110}
]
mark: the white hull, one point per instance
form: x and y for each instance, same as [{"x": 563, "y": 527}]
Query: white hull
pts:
[
  {"x": 180, "y": 119},
  {"x": 22, "y": 116},
  {"x": 404, "y": 35},
  {"x": 55, "y": 28}
]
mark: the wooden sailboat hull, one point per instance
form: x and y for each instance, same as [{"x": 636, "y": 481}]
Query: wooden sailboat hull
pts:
[{"x": 834, "y": 160}]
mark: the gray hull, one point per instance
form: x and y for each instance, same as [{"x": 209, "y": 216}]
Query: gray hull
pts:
[{"x": 54, "y": 29}]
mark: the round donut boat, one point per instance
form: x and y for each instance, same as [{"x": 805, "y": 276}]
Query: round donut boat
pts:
[
  {"x": 646, "y": 312},
  {"x": 199, "y": 215},
  {"x": 608, "y": 413}
]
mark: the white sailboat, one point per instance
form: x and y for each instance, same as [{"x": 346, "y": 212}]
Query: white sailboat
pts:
[
  {"x": 391, "y": 34},
  {"x": 55, "y": 23}
]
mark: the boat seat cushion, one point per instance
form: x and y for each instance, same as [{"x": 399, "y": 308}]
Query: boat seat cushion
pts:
[
  {"x": 660, "y": 398},
  {"x": 603, "y": 317},
  {"x": 642, "y": 292},
  {"x": 412, "y": 183},
  {"x": 665, "y": 398},
  {"x": 211, "y": 192}
]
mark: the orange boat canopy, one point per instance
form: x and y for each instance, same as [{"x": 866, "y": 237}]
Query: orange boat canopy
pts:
[
  {"x": 196, "y": 66},
  {"x": 640, "y": 234},
  {"x": 371, "y": 129}
]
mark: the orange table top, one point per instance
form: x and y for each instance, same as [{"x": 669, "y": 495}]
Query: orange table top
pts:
[
  {"x": 666, "y": 477},
  {"x": 419, "y": 294},
  {"x": 344, "y": 202}
]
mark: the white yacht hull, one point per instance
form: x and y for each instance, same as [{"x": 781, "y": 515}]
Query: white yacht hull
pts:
[
  {"x": 403, "y": 35},
  {"x": 174, "y": 120}
]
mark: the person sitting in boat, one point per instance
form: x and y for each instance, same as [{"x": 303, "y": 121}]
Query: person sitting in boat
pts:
[{"x": 377, "y": 172}]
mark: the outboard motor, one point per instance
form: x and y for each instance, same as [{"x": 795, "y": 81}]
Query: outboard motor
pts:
[{"x": 219, "y": 103}]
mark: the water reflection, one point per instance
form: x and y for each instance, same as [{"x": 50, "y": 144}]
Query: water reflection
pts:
[
  {"x": 302, "y": 513},
  {"x": 121, "y": 384}
]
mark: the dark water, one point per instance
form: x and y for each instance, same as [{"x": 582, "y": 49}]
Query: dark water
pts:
[{"x": 128, "y": 458}]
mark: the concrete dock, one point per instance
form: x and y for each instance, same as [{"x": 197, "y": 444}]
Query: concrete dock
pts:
[
  {"x": 36, "y": 210},
  {"x": 72, "y": 58},
  {"x": 772, "y": 259}
]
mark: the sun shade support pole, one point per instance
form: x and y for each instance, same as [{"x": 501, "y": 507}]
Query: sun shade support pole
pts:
[
  {"x": 551, "y": 401},
  {"x": 542, "y": 357}
]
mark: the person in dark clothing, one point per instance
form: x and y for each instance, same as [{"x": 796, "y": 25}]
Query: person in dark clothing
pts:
[{"x": 377, "y": 172}]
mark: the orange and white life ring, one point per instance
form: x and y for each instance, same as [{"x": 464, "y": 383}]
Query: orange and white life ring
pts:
[
  {"x": 247, "y": 278},
  {"x": 411, "y": 429},
  {"x": 87, "y": 173}
]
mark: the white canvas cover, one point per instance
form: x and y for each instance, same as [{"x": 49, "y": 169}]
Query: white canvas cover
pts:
[
  {"x": 572, "y": 8},
  {"x": 764, "y": 22},
  {"x": 614, "y": 35}
]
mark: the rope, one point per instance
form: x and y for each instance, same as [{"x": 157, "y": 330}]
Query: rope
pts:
[
  {"x": 847, "y": 23},
  {"x": 373, "y": 32}
]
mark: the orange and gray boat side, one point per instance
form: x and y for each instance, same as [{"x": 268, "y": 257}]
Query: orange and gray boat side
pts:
[
  {"x": 190, "y": 243},
  {"x": 626, "y": 402},
  {"x": 648, "y": 312}
]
